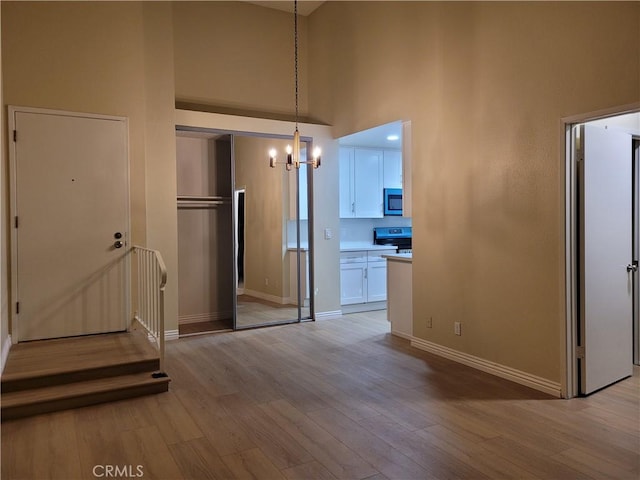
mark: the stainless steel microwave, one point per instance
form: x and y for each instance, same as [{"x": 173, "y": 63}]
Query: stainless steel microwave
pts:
[{"x": 392, "y": 201}]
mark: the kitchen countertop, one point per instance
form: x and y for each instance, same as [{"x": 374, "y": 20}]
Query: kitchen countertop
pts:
[
  {"x": 360, "y": 246},
  {"x": 400, "y": 257},
  {"x": 352, "y": 247}
]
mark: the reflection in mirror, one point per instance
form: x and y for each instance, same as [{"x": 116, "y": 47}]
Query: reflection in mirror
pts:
[
  {"x": 293, "y": 232},
  {"x": 267, "y": 236}
]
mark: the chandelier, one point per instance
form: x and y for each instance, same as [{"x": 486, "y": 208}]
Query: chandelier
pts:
[{"x": 293, "y": 152}]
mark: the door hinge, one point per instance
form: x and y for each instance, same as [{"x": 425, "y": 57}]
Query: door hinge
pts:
[
  {"x": 579, "y": 352},
  {"x": 17, "y": 308},
  {"x": 15, "y": 135},
  {"x": 15, "y": 223}
]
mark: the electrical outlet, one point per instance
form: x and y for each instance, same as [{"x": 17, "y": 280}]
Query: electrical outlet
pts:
[
  {"x": 430, "y": 322},
  {"x": 266, "y": 281},
  {"x": 457, "y": 328}
]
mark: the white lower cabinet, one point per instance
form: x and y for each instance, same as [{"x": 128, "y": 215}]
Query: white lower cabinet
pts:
[
  {"x": 363, "y": 276},
  {"x": 353, "y": 283}
]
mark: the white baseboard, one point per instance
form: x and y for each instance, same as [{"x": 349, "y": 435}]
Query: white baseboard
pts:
[
  {"x": 171, "y": 335},
  {"x": 363, "y": 307},
  {"x": 402, "y": 335},
  {"x": 268, "y": 297},
  {"x": 6, "y": 346},
  {"x": 508, "y": 373},
  {"x": 328, "y": 315},
  {"x": 204, "y": 317}
]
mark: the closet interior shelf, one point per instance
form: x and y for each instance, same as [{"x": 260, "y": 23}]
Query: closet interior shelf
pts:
[{"x": 189, "y": 201}]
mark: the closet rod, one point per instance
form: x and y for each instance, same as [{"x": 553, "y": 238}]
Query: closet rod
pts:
[
  {"x": 195, "y": 198},
  {"x": 200, "y": 205}
]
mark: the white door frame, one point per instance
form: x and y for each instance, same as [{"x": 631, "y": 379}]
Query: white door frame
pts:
[
  {"x": 11, "y": 124},
  {"x": 570, "y": 378}
]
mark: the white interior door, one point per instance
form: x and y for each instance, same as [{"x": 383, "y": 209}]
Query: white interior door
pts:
[
  {"x": 70, "y": 181},
  {"x": 606, "y": 251}
]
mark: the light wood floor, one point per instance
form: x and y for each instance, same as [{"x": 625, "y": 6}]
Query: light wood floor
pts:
[
  {"x": 254, "y": 311},
  {"x": 331, "y": 399}
]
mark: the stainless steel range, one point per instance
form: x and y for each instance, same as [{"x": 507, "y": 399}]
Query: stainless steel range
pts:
[{"x": 400, "y": 237}]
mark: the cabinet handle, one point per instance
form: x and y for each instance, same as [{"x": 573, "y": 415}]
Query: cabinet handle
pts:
[
  {"x": 366, "y": 273},
  {"x": 353, "y": 207}
]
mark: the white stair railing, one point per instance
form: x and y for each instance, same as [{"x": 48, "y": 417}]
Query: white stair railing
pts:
[{"x": 149, "y": 312}]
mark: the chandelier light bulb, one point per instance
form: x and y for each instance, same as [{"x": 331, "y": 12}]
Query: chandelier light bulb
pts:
[
  {"x": 272, "y": 157},
  {"x": 315, "y": 162}
]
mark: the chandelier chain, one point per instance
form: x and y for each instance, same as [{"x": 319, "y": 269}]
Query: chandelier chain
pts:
[{"x": 295, "y": 52}]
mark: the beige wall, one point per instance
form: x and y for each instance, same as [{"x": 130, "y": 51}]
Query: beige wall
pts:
[
  {"x": 111, "y": 58},
  {"x": 265, "y": 222},
  {"x": 82, "y": 57},
  {"x": 159, "y": 182},
  {"x": 485, "y": 86},
  {"x": 237, "y": 56}
]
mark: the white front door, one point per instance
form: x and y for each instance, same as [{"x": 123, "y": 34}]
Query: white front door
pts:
[
  {"x": 606, "y": 293},
  {"x": 71, "y": 202}
]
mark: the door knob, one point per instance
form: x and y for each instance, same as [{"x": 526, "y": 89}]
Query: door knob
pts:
[
  {"x": 632, "y": 267},
  {"x": 118, "y": 244},
  {"x": 117, "y": 235}
]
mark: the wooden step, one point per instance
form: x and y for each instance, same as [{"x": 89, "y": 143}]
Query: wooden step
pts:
[
  {"x": 78, "y": 375},
  {"x": 67, "y": 360},
  {"x": 49, "y": 375},
  {"x": 47, "y": 399}
]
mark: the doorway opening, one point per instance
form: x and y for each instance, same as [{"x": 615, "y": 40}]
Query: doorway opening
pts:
[
  {"x": 602, "y": 224},
  {"x": 240, "y": 216}
]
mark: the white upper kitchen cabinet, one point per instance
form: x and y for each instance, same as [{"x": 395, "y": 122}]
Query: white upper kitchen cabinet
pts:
[
  {"x": 392, "y": 176},
  {"x": 347, "y": 201},
  {"x": 368, "y": 172},
  {"x": 361, "y": 176}
]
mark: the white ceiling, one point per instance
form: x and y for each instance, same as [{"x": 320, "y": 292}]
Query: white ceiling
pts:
[
  {"x": 629, "y": 122},
  {"x": 305, "y": 7},
  {"x": 375, "y": 137}
]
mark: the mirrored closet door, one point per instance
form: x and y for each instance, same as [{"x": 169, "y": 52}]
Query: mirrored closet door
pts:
[
  {"x": 271, "y": 244},
  {"x": 244, "y": 254}
]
